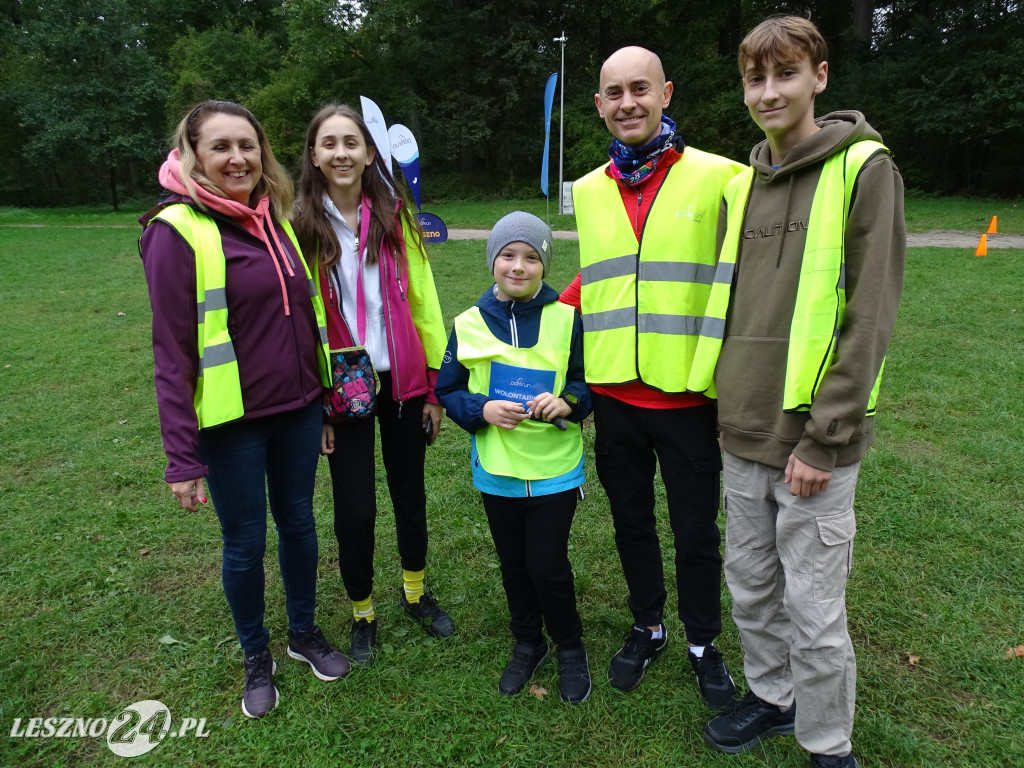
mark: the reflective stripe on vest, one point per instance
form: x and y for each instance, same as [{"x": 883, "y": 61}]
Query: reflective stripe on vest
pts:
[
  {"x": 534, "y": 450},
  {"x": 821, "y": 292},
  {"x": 218, "y": 395},
  {"x": 643, "y": 302}
]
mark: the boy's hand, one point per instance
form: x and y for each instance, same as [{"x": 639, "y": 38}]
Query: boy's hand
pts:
[
  {"x": 504, "y": 413},
  {"x": 327, "y": 440},
  {"x": 805, "y": 480},
  {"x": 546, "y": 407}
]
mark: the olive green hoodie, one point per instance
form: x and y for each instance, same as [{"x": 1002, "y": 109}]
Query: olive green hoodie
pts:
[{"x": 751, "y": 368}]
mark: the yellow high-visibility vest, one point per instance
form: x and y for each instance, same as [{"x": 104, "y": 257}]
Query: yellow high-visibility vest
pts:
[
  {"x": 534, "y": 450},
  {"x": 642, "y": 303},
  {"x": 218, "y": 396},
  {"x": 821, "y": 292}
]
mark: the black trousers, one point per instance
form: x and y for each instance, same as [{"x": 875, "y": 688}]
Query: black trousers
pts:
[
  {"x": 353, "y": 478},
  {"x": 531, "y": 537},
  {"x": 630, "y": 443}
]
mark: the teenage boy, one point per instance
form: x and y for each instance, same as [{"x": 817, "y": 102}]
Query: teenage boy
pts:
[
  {"x": 795, "y": 336},
  {"x": 648, "y": 229}
]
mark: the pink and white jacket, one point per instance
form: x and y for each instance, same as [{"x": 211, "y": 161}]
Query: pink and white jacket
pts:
[{"x": 413, "y": 324}]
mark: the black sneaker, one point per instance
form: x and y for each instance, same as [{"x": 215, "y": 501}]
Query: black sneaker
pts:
[
  {"x": 260, "y": 695},
  {"x": 713, "y": 679},
  {"x": 323, "y": 658},
  {"x": 573, "y": 675},
  {"x": 364, "y": 641},
  {"x": 629, "y": 664},
  {"x": 834, "y": 761},
  {"x": 521, "y": 667},
  {"x": 428, "y": 613},
  {"x": 752, "y": 721}
]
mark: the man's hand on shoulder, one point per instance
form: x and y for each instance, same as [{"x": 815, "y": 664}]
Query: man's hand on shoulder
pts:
[{"x": 805, "y": 480}]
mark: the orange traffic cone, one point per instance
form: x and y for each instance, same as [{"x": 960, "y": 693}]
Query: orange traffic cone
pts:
[
  {"x": 991, "y": 226},
  {"x": 982, "y": 249}
]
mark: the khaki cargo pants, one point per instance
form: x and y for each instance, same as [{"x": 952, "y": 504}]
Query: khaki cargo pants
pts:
[{"x": 787, "y": 560}]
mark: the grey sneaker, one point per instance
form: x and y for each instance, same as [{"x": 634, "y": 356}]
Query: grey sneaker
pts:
[
  {"x": 428, "y": 613},
  {"x": 834, "y": 761},
  {"x": 526, "y": 658},
  {"x": 260, "y": 694},
  {"x": 364, "y": 641},
  {"x": 312, "y": 647}
]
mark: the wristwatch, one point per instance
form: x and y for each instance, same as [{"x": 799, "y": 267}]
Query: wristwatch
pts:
[{"x": 573, "y": 402}]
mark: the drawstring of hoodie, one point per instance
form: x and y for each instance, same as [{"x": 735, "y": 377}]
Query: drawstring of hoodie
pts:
[
  {"x": 785, "y": 217},
  {"x": 274, "y": 257}
]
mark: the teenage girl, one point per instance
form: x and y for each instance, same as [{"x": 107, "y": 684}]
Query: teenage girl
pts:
[{"x": 378, "y": 289}]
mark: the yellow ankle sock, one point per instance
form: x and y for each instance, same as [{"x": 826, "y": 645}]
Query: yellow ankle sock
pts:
[
  {"x": 413, "y": 585},
  {"x": 363, "y": 609}
]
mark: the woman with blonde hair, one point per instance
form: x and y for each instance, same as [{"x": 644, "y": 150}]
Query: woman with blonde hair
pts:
[{"x": 240, "y": 369}]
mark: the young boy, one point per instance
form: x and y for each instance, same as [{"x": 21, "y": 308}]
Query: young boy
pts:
[
  {"x": 506, "y": 357},
  {"x": 794, "y": 336}
]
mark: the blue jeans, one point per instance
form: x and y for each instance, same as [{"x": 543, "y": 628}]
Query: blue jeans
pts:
[{"x": 247, "y": 459}]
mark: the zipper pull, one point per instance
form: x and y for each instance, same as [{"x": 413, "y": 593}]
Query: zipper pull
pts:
[
  {"x": 400, "y": 403},
  {"x": 398, "y": 278}
]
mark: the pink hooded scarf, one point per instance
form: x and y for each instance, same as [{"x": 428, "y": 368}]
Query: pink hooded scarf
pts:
[{"x": 256, "y": 221}]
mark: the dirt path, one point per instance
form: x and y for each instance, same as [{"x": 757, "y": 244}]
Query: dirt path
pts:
[{"x": 935, "y": 238}]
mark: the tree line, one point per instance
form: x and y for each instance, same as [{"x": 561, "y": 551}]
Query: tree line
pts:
[{"x": 90, "y": 89}]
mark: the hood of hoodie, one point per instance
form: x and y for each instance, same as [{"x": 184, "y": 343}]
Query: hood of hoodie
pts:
[
  {"x": 837, "y": 131},
  {"x": 258, "y": 221}
]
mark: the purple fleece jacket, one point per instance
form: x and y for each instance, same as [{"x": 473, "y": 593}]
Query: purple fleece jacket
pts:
[{"x": 276, "y": 353}]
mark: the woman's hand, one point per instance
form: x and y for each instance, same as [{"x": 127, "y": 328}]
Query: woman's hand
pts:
[
  {"x": 435, "y": 413},
  {"x": 189, "y": 493}
]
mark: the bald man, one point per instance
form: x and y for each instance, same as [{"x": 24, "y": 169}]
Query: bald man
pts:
[{"x": 648, "y": 229}]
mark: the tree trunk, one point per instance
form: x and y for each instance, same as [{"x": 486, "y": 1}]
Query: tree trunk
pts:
[
  {"x": 113, "y": 188},
  {"x": 863, "y": 18}
]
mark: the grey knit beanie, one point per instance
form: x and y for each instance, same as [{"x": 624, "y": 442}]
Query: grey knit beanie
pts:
[{"x": 520, "y": 227}]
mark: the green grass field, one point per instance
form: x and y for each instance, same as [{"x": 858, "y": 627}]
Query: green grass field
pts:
[{"x": 111, "y": 593}]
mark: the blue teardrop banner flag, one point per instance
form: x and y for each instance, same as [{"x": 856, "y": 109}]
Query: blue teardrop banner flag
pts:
[
  {"x": 407, "y": 154},
  {"x": 549, "y": 99}
]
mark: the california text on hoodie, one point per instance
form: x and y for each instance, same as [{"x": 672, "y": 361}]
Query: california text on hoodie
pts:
[{"x": 751, "y": 368}]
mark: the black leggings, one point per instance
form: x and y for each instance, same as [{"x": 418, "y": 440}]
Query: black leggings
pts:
[{"x": 353, "y": 478}]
